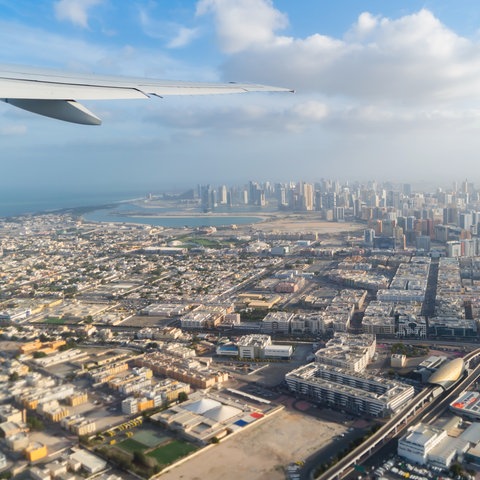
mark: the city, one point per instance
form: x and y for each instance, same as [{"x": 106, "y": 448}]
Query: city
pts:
[
  {"x": 280, "y": 285},
  {"x": 133, "y": 349}
]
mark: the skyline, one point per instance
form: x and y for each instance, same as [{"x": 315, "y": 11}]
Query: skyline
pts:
[
  {"x": 382, "y": 92},
  {"x": 19, "y": 203}
]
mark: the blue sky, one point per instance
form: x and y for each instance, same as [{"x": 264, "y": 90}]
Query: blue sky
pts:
[{"x": 386, "y": 90}]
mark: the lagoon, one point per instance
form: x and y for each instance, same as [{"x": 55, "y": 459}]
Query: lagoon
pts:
[{"x": 171, "y": 220}]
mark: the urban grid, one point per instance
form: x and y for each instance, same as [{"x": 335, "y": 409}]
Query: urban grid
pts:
[{"x": 335, "y": 337}]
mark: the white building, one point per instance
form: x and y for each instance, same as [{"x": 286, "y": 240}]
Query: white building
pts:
[
  {"x": 358, "y": 393},
  {"x": 352, "y": 352},
  {"x": 417, "y": 443},
  {"x": 278, "y": 351},
  {"x": 130, "y": 406},
  {"x": 397, "y": 360},
  {"x": 195, "y": 320},
  {"x": 252, "y": 346},
  {"x": 411, "y": 325},
  {"x": 277, "y": 322},
  {"x": 89, "y": 462},
  {"x": 397, "y": 295},
  {"x": 308, "y": 322}
]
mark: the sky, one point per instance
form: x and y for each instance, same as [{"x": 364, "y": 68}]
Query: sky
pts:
[{"x": 384, "y": 90}]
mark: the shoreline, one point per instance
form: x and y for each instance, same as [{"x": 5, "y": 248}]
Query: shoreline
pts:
[
  {"x": 191, "y": 215},
  {"x": 267, "y": 222}
]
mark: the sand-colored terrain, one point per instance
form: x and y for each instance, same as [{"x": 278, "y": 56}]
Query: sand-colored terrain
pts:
[
  {"x": 305, "y": 224},
  {"x": 271, "y": 221},
  {"x": 260, "y": 452}
]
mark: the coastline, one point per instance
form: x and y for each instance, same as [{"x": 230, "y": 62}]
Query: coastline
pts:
[
  {"x": 271, "y": 222},
  {"x": 191, "y": 215},
  {"x": 267, "y": 222}
]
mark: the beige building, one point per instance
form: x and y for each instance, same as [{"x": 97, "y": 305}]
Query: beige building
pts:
[
  {"x": 351, "y": 352},
  {"x": 398, "y": 360}
]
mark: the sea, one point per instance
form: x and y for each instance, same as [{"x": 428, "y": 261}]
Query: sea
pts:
[
  {"x": 28, "y": 202},
  {"x": 120, "y": 208}
]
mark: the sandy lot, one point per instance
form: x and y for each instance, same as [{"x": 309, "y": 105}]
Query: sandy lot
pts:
[
  {"x": 305, "y": 224},
  {"x": 260, "y": 452},
  {"x": 272, "y": 221}
]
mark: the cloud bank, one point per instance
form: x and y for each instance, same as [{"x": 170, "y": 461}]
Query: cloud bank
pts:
[{"x": 75, "y": 11}]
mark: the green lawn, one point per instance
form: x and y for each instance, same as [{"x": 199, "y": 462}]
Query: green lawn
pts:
[
  {"x": 131, "y": 445},
  {"x": 152, "y": 438},
  {"x": 55, "y": 321},
  {"x": 171, "y": 452}
]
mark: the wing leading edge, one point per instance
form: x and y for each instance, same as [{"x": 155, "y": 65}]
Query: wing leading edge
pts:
[{"x": 54, "y": 94}]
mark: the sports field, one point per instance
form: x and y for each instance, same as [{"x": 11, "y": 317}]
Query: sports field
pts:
[
  {"x": 151, "y": 438},
  {"x": 171, "y": 452},
  {"x": 157, "y": 445},
  {"x": 54, "y": 321},
  {"x": 130, "y": 445}
]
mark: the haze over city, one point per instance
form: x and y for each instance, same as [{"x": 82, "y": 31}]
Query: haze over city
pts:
[
  {"x": 383, "y": 91},
  {"x": 265, "y": 286}
]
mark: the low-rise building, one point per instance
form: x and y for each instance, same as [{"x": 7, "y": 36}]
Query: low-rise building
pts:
[
  {"x": 418, "y": 442},
  {"x": 352, "y": 352},
  {"x": 186, "y": 370},
  {"x": 36, "y": 451},
  {"x": 9, "y": 413},
  {"x": 252, "y": 346},
  {"x": 277, "y": 322},
  {"x": 397, "y": 360},
  {"x": 358, "y": 393}
]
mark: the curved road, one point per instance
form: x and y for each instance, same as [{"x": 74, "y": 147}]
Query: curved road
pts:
[{"x": 400, "y": 421}]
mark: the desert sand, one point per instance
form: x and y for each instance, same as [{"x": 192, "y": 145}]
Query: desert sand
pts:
[{"x": 260, "y": 452}]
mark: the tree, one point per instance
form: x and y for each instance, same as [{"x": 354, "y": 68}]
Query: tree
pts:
[
  {"x": 35, "y": 423},
  {"x": 456, "y": 469},
  {"x": 140, "y": 458},
  {"x": 39, "y": 354},
  {"x": 182, "y": 397}
]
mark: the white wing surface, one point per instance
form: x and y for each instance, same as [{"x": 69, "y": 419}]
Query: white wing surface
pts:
[{"x": 54, "y": 94}]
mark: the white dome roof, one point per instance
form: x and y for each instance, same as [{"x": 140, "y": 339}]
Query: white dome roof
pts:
[
  {"x": 201, "y": 406},
  {"x": 222, "y": 413}
]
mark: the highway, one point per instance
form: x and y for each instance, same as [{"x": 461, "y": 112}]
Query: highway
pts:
[
  {"x": 425, "y": 407},
  {"x": 378, "y": 439}
]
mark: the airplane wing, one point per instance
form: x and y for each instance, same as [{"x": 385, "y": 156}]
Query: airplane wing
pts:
[{"x": 54, "y": 94}]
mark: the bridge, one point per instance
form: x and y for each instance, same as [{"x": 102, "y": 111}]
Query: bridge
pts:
[{"x": 426, "y": 406}]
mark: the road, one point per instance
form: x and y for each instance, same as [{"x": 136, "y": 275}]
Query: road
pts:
[{"x": 392, "y": 429}]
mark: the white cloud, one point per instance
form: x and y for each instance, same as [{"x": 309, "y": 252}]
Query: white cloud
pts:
[
  {"x": 411, "y": 60},
  {"x": 311, "y": 110},
  {"x": 365, "y": 25},
  {"x": 240, "y": 115},
  {"x": 174, "y": 34},
  {"x": 75, "y": 11},
  {"x": 184, "y": 37},
  {"x": 244, "y": 24},
  {"x": 389, "y": 97},
  {"x": 37, "y": 47}
]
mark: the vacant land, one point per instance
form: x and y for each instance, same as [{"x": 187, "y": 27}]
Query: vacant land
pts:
[
  {"x": 260, "y": 452},
  {"x": 294, "y": 223}
]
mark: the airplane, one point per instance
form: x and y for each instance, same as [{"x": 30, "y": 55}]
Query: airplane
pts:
[{"x": 54, "y": 94}]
